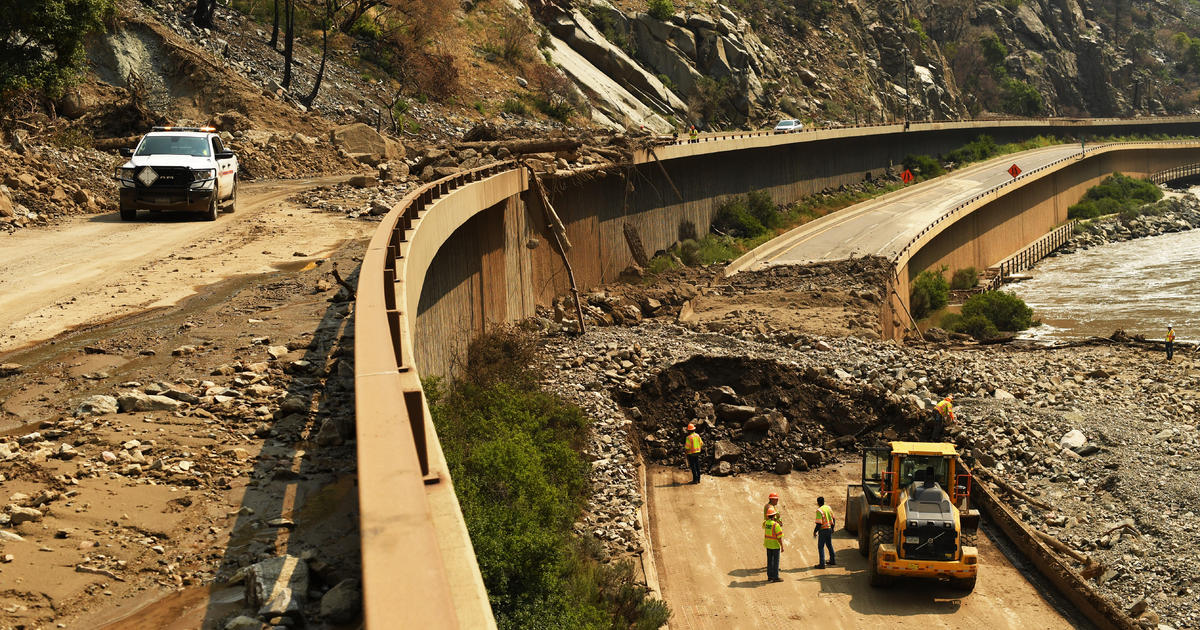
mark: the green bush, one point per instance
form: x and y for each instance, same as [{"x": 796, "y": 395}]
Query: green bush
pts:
[
  {"x": 1021, "y": 99},
  {"x": 1116, "y": 194},
  {"x": 514, "y": 106},
  {"x": 515, "y": 454},
  {"x": 923, "y": 165},
  {"x": 660, "y": 9},
  {"x": 965, "y": 278},
  {"x": 737, "y": 217},
  {"x": 977, "y": 150},
  {"x": 978, "y": 327},
  {"x": 929, "y": 292},
  {"x": 1004, "y": 310}
]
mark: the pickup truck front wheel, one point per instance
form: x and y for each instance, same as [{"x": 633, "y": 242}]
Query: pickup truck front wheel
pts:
[{"x": 213, "y": 206}]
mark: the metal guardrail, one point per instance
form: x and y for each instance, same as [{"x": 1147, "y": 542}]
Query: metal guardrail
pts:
[
  {"x": 1178, "y": 172},
  {"x": 1029, "y": 255}
]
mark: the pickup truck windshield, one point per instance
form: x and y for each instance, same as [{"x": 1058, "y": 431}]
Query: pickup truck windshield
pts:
[{"x": 174, "y": 145}]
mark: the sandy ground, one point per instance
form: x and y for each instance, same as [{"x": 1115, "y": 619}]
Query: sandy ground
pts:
[
  {"x": 712, "y": 567},
  {"x": 98, "y": 268}
]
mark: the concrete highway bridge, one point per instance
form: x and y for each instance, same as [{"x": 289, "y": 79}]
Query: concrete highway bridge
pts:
[{"x": 474, "y": 249}]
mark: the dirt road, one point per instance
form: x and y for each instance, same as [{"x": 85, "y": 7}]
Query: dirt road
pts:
[
  {"x": 97, "y": 268},
  {"x": 712, "y": 567}
]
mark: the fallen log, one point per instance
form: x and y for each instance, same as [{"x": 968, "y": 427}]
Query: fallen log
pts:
[
  {"x": 1060, "y": 546},
  {"x": 1004, "y": 485}
]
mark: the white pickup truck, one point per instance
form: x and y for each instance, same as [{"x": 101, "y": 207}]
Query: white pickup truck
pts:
[{"x": 178, "y": 168}]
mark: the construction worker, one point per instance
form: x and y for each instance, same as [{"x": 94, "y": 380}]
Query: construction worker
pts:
[
  {"x": 692, "y": 135},
  {"x": 1170, "y": 341},
  {"x": 773, "y": 541},
  {"x": 943, "y": 417},
  {"x": 823, "y": 531},
  {"x": 692, "y": 446},
  {"x": 772, "y": 504}
]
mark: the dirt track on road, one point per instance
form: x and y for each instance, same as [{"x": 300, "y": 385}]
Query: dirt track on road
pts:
[
  {"x": 712, "y": 568},
  {"x": 98, "y": 268}
]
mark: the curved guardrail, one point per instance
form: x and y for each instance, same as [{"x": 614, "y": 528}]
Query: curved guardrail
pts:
[{"x": 1178, "y": 172}]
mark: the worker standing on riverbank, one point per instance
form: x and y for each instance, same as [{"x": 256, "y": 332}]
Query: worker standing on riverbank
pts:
[
  {"x": 692, "y": 446},
  {"x": 1170, "y": 341}
]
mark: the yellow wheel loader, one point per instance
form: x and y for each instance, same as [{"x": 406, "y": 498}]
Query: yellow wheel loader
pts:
[{"x": 911, "y": 512}]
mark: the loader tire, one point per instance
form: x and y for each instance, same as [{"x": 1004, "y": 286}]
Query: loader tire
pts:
[
  {"x": 880, "y": 534},
  {"x": 963, "y": 585},
  {"x": 864, "y": 537}
]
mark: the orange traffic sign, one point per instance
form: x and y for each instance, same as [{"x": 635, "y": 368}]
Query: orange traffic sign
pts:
[
  {"x": 906, "y": 176},
  {"x": 1014, "y": 170}
]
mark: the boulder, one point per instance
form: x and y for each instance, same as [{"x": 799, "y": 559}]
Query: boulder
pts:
[
  {"x": 722, "y": 394},
  {"x": 74, "y": 104},
  {"x": 736, "y": 413},
  {"x": 96, "y": 405},
  {"x": 277, "y": 586},
  {"x": 783, "y": 467},
  {"x": 343, "y": 602},
  {"x": 363, "y": 181},
  {"x": 6, "y": 204},
  {"x": 1074, "y": 440},
  {"x": 727, "y": 451},
  {"x": 137, "y": 401},
  {"x": 757, "y": 424},
  {"x": 722, "y": 469},
  {"x": 359, "y": 139},
  {"x": 19, "y": 515},
  {"x": 1000, "y": 394},
  {"x": 777, "y": 423},
  {"x": 242, "y": 622},
  {"x": 329, "y": 435}
]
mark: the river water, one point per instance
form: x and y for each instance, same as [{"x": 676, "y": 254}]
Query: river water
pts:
[{"x": 1140, "y": 286}]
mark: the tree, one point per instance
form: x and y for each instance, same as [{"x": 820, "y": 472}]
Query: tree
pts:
[
  {"x": 41, "y": 43},
  {"x": 354, "y": 9},
  {"x": 289, "y": 21},
  {"x": 203, "y": 15},
  {"x": 275, "y": 28},
  {"x": 330, "y": 7}
]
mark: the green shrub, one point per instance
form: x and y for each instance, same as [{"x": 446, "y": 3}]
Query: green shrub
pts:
[
  {"x": 1116, "y": 194},
  {"x": 734, "y": 217},
  {"x": 660, "y": 9},
  {"x": 1021, "y": 99},
  {"x": 951, "y": 322},
  {"x": 978, "y": 327},
  {"x": 965, "y": 278},
  {"x": 929, "y": 292},
  {"x": 515, "y": 454},
  {"x": 923, "y": 165},
  {"x": 42, "y": 43},
  {"x": 977, "y": 150},
  {"x": 661, "y": 263},
  {"x": 1004, "y": 310},
  {"x": 514, "y": 106}
]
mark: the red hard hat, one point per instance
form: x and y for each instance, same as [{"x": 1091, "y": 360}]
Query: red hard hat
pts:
[
  {"x": 773, "y": 495},
  {"x": 691, "y": 427}
]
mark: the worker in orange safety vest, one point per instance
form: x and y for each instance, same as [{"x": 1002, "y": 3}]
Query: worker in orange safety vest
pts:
[
  {"x": 773, "y": 541},
  {"x": 824, "y": 532},
  {"x": 773, "y": 504},
  {"x": 1170, "y": 341},
  {"x": 692, "y": 446}
]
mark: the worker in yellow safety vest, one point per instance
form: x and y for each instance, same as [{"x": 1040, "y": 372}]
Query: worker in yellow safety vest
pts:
[
  {"x": 692, "y": 134},
  {"x": 1170, "y": 341},
  {"x": 692, "y": 446},
  {"x": 773, "y": 504},
  {"x": 773, "y": 541},
  {"x": 824, "y": 532},
  {"x": 944, "y": 417}
]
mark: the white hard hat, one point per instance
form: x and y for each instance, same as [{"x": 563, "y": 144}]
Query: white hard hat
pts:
[{"x": 1170, "y": 325}]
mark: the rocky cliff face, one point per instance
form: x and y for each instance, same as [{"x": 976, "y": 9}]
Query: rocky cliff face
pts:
[{"x": 873, "y": 60}]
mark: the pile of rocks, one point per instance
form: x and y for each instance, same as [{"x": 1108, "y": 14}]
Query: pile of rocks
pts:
[
  {"x": 362, "y": 198},
  {"x": 1172, "y": 214},
  {"x": 41, "y": 183}
]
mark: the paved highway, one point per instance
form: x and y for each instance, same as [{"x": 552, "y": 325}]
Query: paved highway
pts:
[{"x": 882, "y": 226}]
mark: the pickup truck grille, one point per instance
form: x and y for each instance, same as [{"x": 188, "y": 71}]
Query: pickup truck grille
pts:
[{"x": 169, "y": 177}]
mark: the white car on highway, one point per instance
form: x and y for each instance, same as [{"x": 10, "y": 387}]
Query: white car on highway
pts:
[
  {"x": 789, "y": 125},
  {"x": 178, "y": 168}
]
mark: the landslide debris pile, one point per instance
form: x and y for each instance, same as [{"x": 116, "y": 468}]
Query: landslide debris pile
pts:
[
  {"x": 783, "y": 304},
  {"x": 42, "y": 183},
  {"x": 759, "y": 415}
]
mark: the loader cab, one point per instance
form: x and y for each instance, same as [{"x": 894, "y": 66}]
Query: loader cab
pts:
[{"x": 889, "y": 471}]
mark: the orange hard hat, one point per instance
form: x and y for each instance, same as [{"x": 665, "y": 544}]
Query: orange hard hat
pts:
[
  {"x": 773, "y": 495},
  {"x": 691, "y": 427},
  {"x": 770, "y": 511}
]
